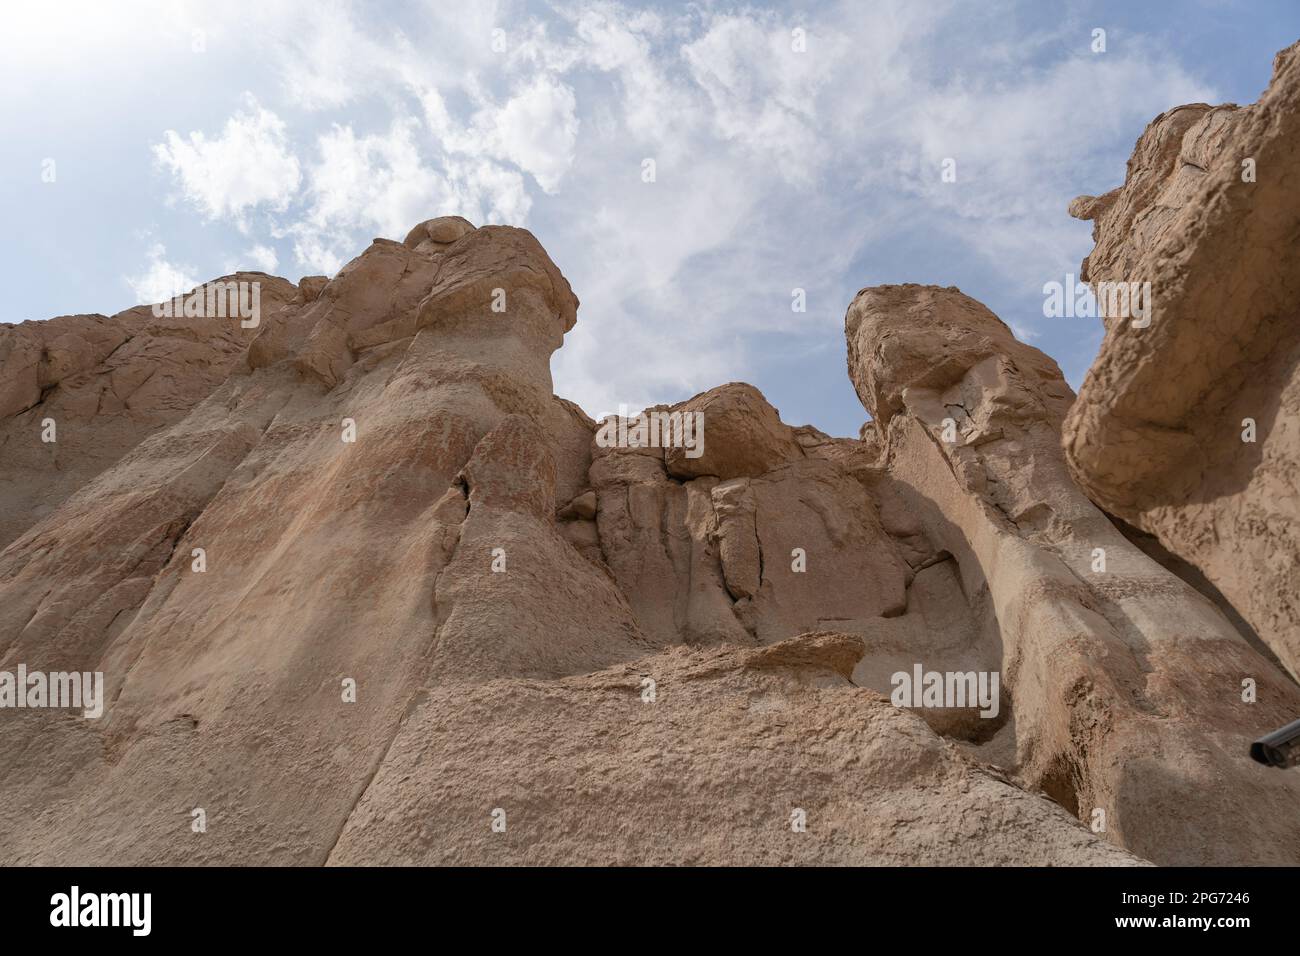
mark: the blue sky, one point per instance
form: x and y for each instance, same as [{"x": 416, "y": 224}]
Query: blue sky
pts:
[{"x": 191, "y": 139}]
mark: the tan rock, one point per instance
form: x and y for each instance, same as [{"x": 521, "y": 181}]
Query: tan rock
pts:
[
  {"x": 106, "y": 383},
  {"x": 704, "y": 560},
  {"x": 588, "y": 771},
  {"x": 743, "y": 435},
  {"x": 1208, "y": 215},
  {"x": 327, "y": 561},
  {"x": 357, "y": 581},
  {"x": 310, "y": 287},
  {"x": 433, "y": 234},
  {"x": 583, "y": 506},
  {"x": 1125, "y": 682}
]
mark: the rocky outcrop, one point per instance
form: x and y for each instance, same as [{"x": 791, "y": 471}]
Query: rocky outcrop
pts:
[
  {"x": 372, "y": 534},
  {"x": 751, "y": 541},
  {"x": 1125, "y": 683},
  {"x": 655, "y": 763},
  {"x": 364, "y": 590},
  {"x": 328, "y": 517},
  {"x": 1185, "y": 426},
  {"x": 105, "y": 384}
]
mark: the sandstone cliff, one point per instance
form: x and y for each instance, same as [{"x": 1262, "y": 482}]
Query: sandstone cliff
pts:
[
  {"x": 364, "y": 590},
  {"x": 1125, "y": 681},
  {"x": 1187, "y": 427},
  {"x": 377, "y": 487}
]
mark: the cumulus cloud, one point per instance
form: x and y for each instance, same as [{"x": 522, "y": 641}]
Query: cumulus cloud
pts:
[
  {"x": 248, "y": 164},
  {"x": 536, "y": 130},
  {"x": 160, "y": 280},
  {"x": 384, "y": 183},
  {"x": 259, "y": 258}
]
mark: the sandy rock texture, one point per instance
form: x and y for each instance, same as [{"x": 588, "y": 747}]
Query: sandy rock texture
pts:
[
  {"x": 327, "y": 559},
  {"x": 591, "y": 770},
  {"x": 361, "y": 579},
  {"x": 364, "y": 590},
  {"x": 1208, "y": 214},
  {"x": 107, "y": 383},
  {"x": 1124, "y": 682},
  {"x": 753, "y": 541}
]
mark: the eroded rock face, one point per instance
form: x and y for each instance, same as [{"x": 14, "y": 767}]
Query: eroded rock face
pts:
[
  {"x": 106, "y": 384},
  {"x": 1208, "y": 215},
  {"x": 1125, "y": 682},
  {"x": 585, "y": 771},
  {"x": 752, "y": 541},
  {"x": 350, "y": 485},
  {"x": 367, "y": 581},
  {"x": 369, "y": 523}
]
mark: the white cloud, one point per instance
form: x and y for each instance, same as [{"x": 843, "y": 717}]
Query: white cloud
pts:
[
  {"x": 1023, "y": 332},
  {"x": 161, "y": 279},
  {"x": 249, "y": 164},
  {"x": 378, "y": 181},
  {"x": 763, "y": 90},
  {"x": 776, "y": 168},
  {"x": 332, "y": 53},
  {"x": 327, "y": 64},
  {"x": 536, "y": 130},
  {"x": 637, "y": 52},
  {"x": 260, "y": 258},
  {"x": 384, "y": 184},
  {"x": 1023, "y": 151}
]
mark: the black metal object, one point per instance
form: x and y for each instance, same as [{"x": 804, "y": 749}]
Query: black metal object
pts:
[{"x": 1281, "y": 748}]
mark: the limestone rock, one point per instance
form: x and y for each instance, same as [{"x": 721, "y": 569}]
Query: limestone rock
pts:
[
  {"x": 583, "y": 506},
  {"x": 587, "y": 771},
  {"x": 352, "y": 492},
  {"x": 725, "y": 555},
  {"x": 310, "y": 287},
  {"x": 106, "y": 383},
  {"x": 1208, "y": 215},
  {"x": 358, "y": 581},
  {"x": 744, "y": 436},
  {"x": 436, "y": 234},
  {"x": 1125, "y": 682}
]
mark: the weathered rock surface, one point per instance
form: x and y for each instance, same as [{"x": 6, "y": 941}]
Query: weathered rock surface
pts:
[
  {"x": 1126, "y": 683},
  {"x": 1208, "y": 214},
  {"x": 586, "y": 771},
  {"x": 107, "y": 384},
  {"x": 360, "y": 529},
  {"x": 752, "y": 541},
  {"x": 364, "y": 590}
]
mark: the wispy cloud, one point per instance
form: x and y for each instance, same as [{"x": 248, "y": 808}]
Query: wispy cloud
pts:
[{"x": 789, "y": 151}]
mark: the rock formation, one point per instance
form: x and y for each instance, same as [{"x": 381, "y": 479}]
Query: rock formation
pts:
[
  {"x": 737, "y": 744},
  {"x": 1186, "y": 427},
  {"x": 1125, "y": 682},
  {"x": 377, "y": 488},
  {"x": 364, "y": 590},
  {"x": 107, "y": 384}
]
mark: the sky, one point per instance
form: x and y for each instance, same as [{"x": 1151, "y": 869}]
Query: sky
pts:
[{"x": 150, "y": 146}]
